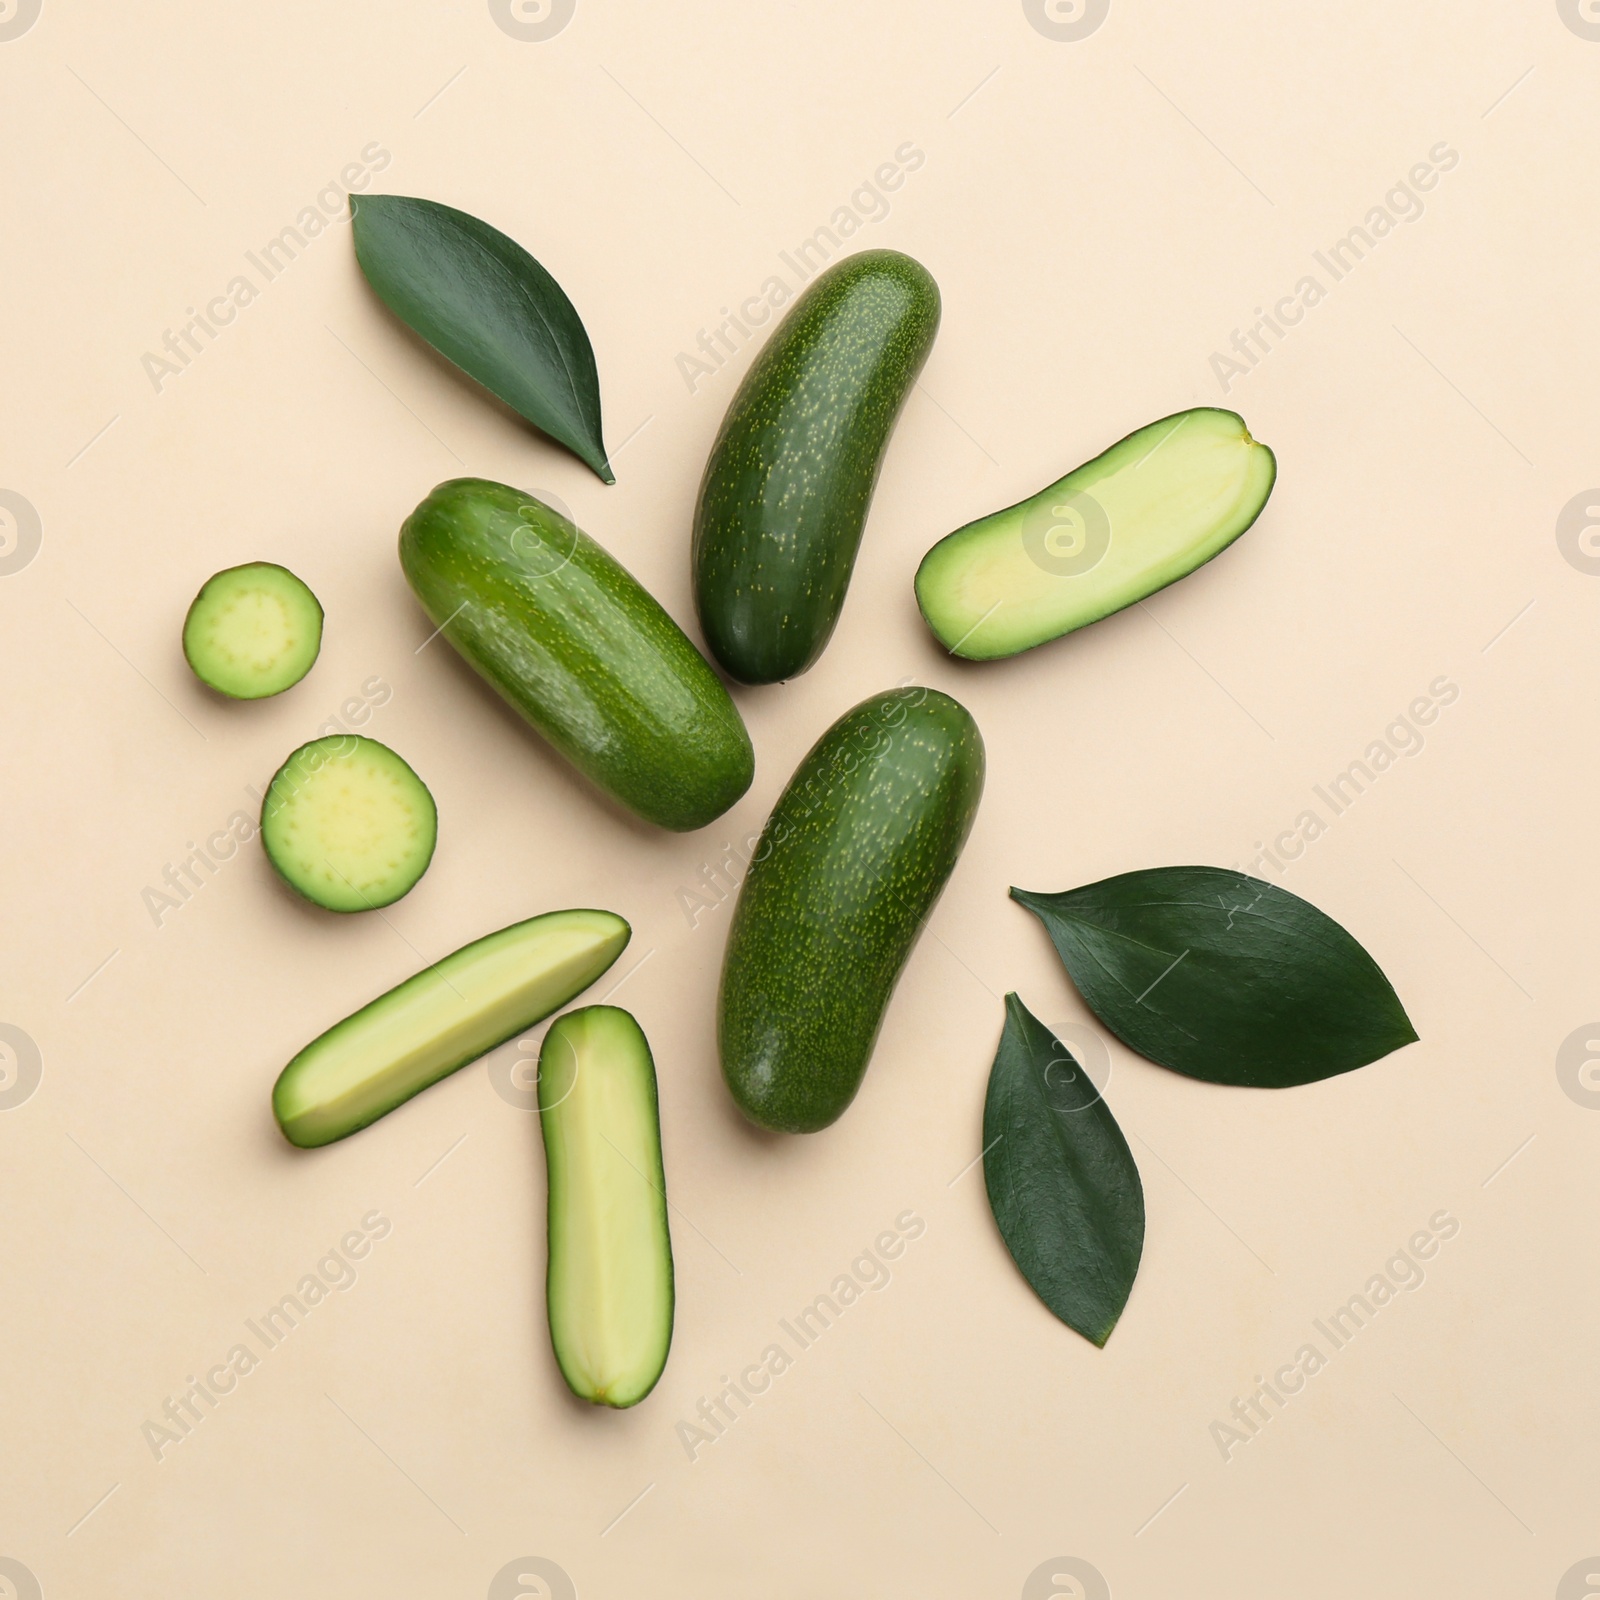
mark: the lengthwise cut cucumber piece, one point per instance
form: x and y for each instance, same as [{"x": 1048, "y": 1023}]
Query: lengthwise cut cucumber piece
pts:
[
  {"x": 570, "y": 639},
  {"x": 348, "y": 824},
  {"x": 789, "y": 480},
  {"x": 849, "y": 866},
  {"x": 1146, "y": 513},
  {"x": 439, "y": 1020},
  {"x": 252, "y": 631},
  {"x": 609, "y": 1284}
]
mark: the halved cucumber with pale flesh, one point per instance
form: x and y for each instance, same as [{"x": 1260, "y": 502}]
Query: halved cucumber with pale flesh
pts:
[
  {"x": 348, "y": 824},
  {"x": 252, "y": 631},
  {"x": 609, "y": 1285},
  {"x": 1147, "y": 512},
  {"x": 447, "y": 1015}
]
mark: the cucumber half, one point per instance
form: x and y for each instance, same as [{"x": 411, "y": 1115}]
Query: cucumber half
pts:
[
  {"x": 348, "y": 824},
  {"x": 609, "y": 1285},
  {"x": 1147, "y": 512},
  {"x": 445, "y": 1016},
  {"x": 252, "y": 631}
]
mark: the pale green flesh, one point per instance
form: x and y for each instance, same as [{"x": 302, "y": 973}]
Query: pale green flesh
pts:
[
  {"x": 447, "y": 1015},
  {"x": 348, "y": 823},
  {"x": 1148, "y": 511},
  {"x": 252, "y": 631},
  {"x": 609, "y": 1286}
]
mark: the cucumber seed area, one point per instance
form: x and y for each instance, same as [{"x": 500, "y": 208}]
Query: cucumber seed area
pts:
[{"x": 251, "y": 629}]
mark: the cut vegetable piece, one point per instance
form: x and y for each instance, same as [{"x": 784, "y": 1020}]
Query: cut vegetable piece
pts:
[
  {"x": 447, "y": 1015},
  {"x": 480, "y": 299},
  {"x": 857, "y": 850},
  {"x": 1149, "y": 511},
  {"x": 348, "y": 824},
  {"x": 252, "y": 631},
  {"x": 1062, "y": 1182},
  {"x": 609, "y": 1285},
  {"x": 1223, "y": 977}
]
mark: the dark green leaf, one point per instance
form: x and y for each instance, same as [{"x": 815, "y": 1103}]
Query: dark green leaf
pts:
[
  {"x": 1222, "y": 976},
  {"x": 1062, "y": 1183},
  {"x": 482, "y": 300}
]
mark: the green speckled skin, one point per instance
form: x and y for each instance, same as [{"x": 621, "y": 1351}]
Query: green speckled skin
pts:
[
  {"x": 571, "y": 640},
  {"x": 790, "y": 478},
  {"x": 849, "y": 865}
]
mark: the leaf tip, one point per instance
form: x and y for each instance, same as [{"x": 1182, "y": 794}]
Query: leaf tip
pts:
[
  {"x": 366, "y": 202},
  {"x": 1405, "y": 1030}
]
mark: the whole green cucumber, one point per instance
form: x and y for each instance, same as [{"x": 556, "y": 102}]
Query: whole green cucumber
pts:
[
  {"x": 848, "y": 867},
  {"x": 791, "y": 475},
  {"x": 573, "y": 642}
]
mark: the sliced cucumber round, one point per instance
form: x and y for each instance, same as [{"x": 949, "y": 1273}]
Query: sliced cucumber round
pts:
[
  {"x": 252, "y": 631},
  {"x": 348, "y": 824}
]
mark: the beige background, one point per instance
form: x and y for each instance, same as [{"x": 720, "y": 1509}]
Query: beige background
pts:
[{"x": 1101, "y": 216}]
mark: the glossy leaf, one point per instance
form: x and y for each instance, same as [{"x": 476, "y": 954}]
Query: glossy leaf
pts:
[
  {"x": 1062, "y": 1183},
  {"x": 1223, "y": 977},
  {"x": 479, "y": 298}
]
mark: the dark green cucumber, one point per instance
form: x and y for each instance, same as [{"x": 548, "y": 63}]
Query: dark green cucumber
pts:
[
  {"x": 791, "y": 475},
  {"x": 848, "y": 867},
  {"x": 573, "y": 642}
]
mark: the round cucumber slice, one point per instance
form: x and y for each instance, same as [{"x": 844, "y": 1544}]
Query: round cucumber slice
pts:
[
  {"x": 348, "y": 824},
  {"x": 252, "y": 631}
]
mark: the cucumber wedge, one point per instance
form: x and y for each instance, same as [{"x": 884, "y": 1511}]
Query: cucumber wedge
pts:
[
  {"x": 447, "y": 1015},
  {"x": 252, "y": 631},
  {"x": 1147, "y": 512},
  {"x": 348, "y": 824},
  {"x": 609, "y": 1286}
]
